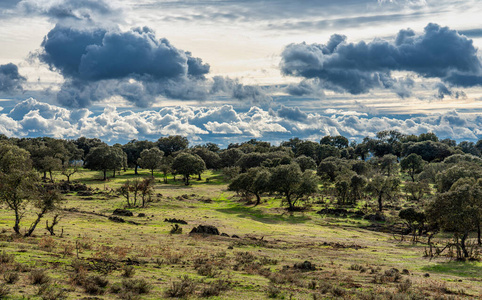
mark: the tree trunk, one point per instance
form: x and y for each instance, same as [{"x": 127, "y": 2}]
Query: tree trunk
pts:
[
  {"x": 68, "y": 178},
  {"x": 199, "y": 177},
  {"x": 45, "y": 175},
  {"x": 380, "y": 206},
  {"x": 186, "y": 179},
  {"x": 135, "y": 170},
  {"x": 50, "y": 173},
  {"x": 105, "y": 174},
  {"x": 113, "y": 175},
  {"x": 35, "y": 223},
  {"x": 462, "y": 245},
  {"x": 258, "y": 199},
  {"x": 152, "y": 173},
  {"x": 16, "y": 227},
  {"x": 290, "y": 204},
  {"x": 479, "y": 240}
]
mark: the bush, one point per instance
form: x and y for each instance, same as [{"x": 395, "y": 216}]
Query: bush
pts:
[
  {"x": 136, "y": 286},
  {"x": 207, "y": 270},
  {"x": 215, "y": 288},
  {"x": 50, "y": 292},
  {"x": 11, "y": 277},
  {"x": 4, "y": 291},
  {"x": 6, "y": 258},
  {"x": 39, "y": 277},
  {"x": 181, "y": 288},
  {"x": 176, "y": 229},
  {"x": 94, "y": 285},
  {"x": 128, "y": 271},
  {"x": 404, "y": 286},
  {"x": 273, "y": 291}
]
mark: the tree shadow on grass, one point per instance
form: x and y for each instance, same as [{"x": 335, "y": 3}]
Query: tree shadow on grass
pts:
[
  {"x": 456, "y": 268},
  {"x": 258, "y": 215}
]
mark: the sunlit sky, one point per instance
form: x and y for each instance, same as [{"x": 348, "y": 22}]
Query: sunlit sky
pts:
[{"x": 229, "y": 71}]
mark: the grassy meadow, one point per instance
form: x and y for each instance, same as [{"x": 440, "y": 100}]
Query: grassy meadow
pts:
[{"x": 275, "y": 253}]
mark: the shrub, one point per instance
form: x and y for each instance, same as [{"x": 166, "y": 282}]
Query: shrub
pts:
[
  {"x": 94, "y": 285},
  {"x": 273, "y": 291},
  {"x": 4, "y": 291},
  {"x": 404, "y": 286},
  {"x": 39, "y": 277},
  {"x": 181, "y": 288},
  {"x": 176, "y": 229},
  {"x": 6, "y": 258},
  {"x": 128, "y": 271},
  {"x": 51, "y": 292},
  {"x": 215, "y": 288},
  {"x": 136, "y": 286},
  {"x": 207, "y": 270},
  {"x": 11, "y": 277}
]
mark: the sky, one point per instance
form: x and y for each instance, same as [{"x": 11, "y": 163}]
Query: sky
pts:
[{"x": 230, "y": 71}]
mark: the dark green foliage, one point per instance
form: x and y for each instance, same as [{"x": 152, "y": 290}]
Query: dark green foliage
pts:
[
  {"x": 211, "y": 159},
  {"x": 338, "y": 141},
  {"x": 150, "y": 159},
  {"x": 229, "y": 157},
  {"x": 173, "y": 143},
  {"x": 459, "y": 210},
  {"x": 291, "y": 183},
  {"x": 412, "y": 164},
  {"x": 306, "y": 163},
  {"x": 428, "y": 150},
  {"x": 383, "y": 188},
  {"x": 133, "y": 150},
  {"x": 255, "y": 181},
  {"x": 187, "y": 165},
  {"x": 104, "y": 158}
]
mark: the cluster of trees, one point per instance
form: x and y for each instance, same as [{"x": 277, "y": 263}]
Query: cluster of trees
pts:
[
  {"x": 440, "y": 179},
  {"x": 21, "y": 189}
]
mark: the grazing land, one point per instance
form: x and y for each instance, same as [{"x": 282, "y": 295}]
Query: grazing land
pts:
[{"x": 261, "y": 252}]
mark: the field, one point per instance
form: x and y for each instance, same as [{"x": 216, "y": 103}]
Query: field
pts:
[{"x": 274, "y": 253}]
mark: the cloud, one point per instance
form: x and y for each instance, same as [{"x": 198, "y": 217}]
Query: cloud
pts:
[
  {"x": 89, "y": 11},
  {"x": 223, "y": 124},
  {"x": 291, "y": 113},
  {"x": 10, "y": 80},
  {"x": 99, "y": 63},
  {"x": 357, "y": 68}
]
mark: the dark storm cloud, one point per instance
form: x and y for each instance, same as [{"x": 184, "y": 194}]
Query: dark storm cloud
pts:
[
  {"x": 290, "y": 113},
  {"x": 239, "y": 91},
  {"x": 472, "y": 33},
  {"x": 357, "y": 68},
  {"x": 73, "y": 10},
  {"x": 98, "y": 63},
  {"x": 98, "y": 54},
  {"x": 10, "y": 80}
]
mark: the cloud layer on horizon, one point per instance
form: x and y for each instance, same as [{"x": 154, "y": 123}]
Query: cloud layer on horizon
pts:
[{"x": 222, "y": 124}]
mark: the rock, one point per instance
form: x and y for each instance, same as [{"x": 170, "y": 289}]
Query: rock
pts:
[
  {"x": 305, "y": 266},
  {"x": 426, "y": 275},
  {"x": 405, "y": 272},
  {"x": 224, "y": 234},
  {"x": 230, "y": 248},
  {"x": 234, "y": 236},
  {"x": 123, "y": 212},
  {"x": 141, "y": 215},
  {"x": 116, "y": 219},
  {"x": 205, "y": 229},
  {"x": 332, "y": 211},
  {"x": 174, "y": 220},
  {"x": 375, "y": 218}
]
